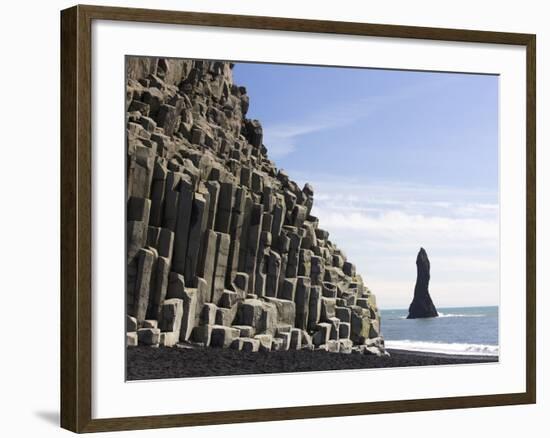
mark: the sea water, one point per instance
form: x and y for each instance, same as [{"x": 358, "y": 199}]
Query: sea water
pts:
[{"x": 457, "y": 330}]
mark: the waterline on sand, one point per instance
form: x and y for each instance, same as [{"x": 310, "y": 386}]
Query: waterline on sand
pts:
[{"x": 444, "y": 348}]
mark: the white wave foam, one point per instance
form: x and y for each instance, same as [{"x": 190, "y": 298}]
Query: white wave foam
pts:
[
  {"x": 460, "y": 315},
  {"x": 442, "y": 348}
]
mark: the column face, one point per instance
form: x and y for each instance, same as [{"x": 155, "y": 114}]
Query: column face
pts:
[
  {"x": 301, "y": 299},
  {"x": 254, "y": 232},
  {"x": 235, "y": 231},
  {"x": 293, "y": 254},
  {"x": 243, "y": 247},
  {"x": 207, "y": 265},
  {"x": 159, "y": 289},
  {"x": 273, "y": 272},
  {"x": 171, "y": 196},
  {"x": 225, "y": 206},
  {"x": 145, "y": 266},
  {"x": 314, "y": 315},
  {"x": 220, "y": 266},
  {"x": 158, "y": 189},
  {"x": 213, "y": 188},
  {"x": 182, "y": 224},
  {"x": 197, "y": 226}
]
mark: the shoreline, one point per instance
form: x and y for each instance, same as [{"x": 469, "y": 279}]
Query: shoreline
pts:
[
  {"x": 146, "y": 363},
  {"x": 432, "y": 354}
]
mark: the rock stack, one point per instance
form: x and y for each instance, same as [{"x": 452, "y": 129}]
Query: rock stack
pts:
[
  {"x": 222, "y": 249},
  {"x": 422, "y": 305}
]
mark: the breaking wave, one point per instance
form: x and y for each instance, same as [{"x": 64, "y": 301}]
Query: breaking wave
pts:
[
  {"x": 461, "y": 315},
  {"x": 443, "y": 348}
]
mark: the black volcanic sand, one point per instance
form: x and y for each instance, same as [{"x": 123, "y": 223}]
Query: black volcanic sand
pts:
[{"x": 145, "y": 363}]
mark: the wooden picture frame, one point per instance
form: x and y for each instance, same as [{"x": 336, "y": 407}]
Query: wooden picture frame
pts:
[{"x": 76, "y": 217}]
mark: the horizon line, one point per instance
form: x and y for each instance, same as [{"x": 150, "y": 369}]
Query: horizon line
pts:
[{"x": 440, "y": 307}]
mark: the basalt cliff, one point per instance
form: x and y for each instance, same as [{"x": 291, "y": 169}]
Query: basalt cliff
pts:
[{"x": 222, "y": 249}]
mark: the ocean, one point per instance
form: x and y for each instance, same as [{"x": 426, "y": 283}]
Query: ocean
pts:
[{"x": 457, "y": 330}]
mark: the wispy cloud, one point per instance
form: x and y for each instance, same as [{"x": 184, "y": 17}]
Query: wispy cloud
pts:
[
  {"x": 282, "y": 138},
  {"x": 353, "y": 195}
]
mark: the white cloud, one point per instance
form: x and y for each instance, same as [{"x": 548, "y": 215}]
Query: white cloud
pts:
[
  {"x": 381, "y": 227},
  {"x": 399, "y": 223}
]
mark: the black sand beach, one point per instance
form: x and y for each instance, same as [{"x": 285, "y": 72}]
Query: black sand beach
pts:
[{"x": 145, "y": 363}]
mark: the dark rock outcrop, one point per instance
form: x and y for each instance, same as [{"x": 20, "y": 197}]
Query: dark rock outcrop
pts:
[
  {"x": 422, "y": 305},
  {"x": 222, "y": 249}
]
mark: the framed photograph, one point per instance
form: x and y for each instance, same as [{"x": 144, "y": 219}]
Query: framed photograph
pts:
[{"x": 269, "y": 218}]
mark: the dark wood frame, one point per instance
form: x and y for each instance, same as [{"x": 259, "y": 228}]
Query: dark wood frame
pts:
[{"x": 76, "y": 244}]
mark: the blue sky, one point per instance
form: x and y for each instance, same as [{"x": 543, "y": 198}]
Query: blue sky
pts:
[{"x": 398, "y": 160}]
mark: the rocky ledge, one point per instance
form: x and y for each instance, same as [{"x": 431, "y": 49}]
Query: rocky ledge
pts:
[{"x": 222, "y": 249}]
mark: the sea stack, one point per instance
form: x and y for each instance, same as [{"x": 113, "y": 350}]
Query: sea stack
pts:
[{"x": 422, "y": 305}]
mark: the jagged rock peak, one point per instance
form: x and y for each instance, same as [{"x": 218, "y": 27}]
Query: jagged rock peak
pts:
[{"x": 422, "y": 305}]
